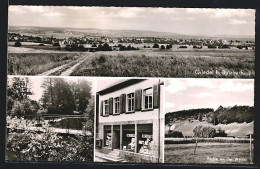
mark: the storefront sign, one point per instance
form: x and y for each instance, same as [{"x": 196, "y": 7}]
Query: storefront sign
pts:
[
  {"x": 130, "y": 135},
  {"x": 141, "y": 142},
  {"x": 147, "y": 136}
]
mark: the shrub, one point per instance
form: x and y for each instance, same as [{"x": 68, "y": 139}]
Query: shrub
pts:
[
  {"x": 56, "y": 44},
  {"x": 183, "y": 46},
  {"x": 162, "y": 47},
  {"x": 204, "y": 131},
  {"x": 169, "y": 46},
  {"x": 212, "y": 46},
  {"x": 18, "y": 44},
  {"x": 81, "y": 48},
  {"x": 156, "y": 45},
  {"x": 174, "y": 134}
]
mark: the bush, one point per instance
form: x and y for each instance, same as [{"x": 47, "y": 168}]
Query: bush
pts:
[
  {"x": 162, "y": 47},
  {"x": 174, "y": 134},
  {"x": 183, "y": 46},
  {"x": 220, "y": 133},
  {"x": 156, "y": 45},
  {"x": 169, "y": 46},
  {"x": 212, "y": 46},
  {"x": 204, "y": 131},
  {"x": 81, "y": 48},
  {"x": 56, "y": 44},
  {"x": 18, "y": 44}
]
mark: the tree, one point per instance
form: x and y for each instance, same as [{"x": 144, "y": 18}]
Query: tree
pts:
[
  {"x": 81, "y": 48},
  {"x": 128, "y": 47},
  {"x": 169, "y": 46},
  {"x": 82, "y": 93},
  {"x": 199, "y": 117},
  {"x": 162, "y": 47},
  {"x": 18, "y": 44},
  {"x": 204, "y": 131},
  {"x": 122, "y": 48},
  {"x": 156, "y": 45}
]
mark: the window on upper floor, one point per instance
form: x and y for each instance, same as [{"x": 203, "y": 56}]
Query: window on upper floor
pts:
[
  {"x": 148, "y": 98},
  {"x": 106, "y": 108},
  {"x": 130, "y": 102},
  {"x": 116, "y": 105}
]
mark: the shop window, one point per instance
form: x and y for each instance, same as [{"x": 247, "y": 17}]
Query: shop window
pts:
[
  {"x": 128, "y": 138},
  {"x": 130, "y": 102},
  {"x": 145, "y": 144},
  {"x": 116, "y": 104},
  {"x": 148, "y": 98},
  {"x": 106, "y": 108}
]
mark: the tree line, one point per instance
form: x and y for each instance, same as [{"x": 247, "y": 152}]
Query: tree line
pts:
[{"x": 58, "y": 97}]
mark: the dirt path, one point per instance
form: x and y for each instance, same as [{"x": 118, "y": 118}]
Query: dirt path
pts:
[{"x": 67, "y": 71}]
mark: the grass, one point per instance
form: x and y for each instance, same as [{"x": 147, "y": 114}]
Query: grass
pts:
[
  {"x": 170, "y": 64},
  {"x": 36, "y": 63},
  {"x": 222, "y": 153}
]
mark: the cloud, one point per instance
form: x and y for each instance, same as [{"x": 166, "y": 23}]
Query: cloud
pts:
[
  {"x": 169, "y": 104},
  {"x": 175, "y": 86},
  {"x": 122, "y": 12},
  {"x": 222, "y": 13},
  {"x": 205, "y": 83},
  {"x": 53, "y": 14},
  {"x": 204, "y": 94},
  {"x": 16, "y": 9},
  {"x": 165, "y": 10},
  {"x": 237, "y": 22},
  {"x": 236, "y": 87},
  {"x": 37, "y": 9}
]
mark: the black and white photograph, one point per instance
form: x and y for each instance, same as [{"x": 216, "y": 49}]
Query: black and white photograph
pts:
[
  {"x": 131, "y": 42},
  {"x": 50, "y": 119},
  {"x": 209, "y": 121},
  {"x": 129, "y": 120}
]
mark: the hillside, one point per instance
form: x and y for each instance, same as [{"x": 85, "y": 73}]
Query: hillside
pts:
[
  {"x": 78, "y": 32},
  {"x": 186, "y": 114},
  {"x": 223, "y": 115}
]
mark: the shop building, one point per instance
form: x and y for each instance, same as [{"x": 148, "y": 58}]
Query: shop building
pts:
[{"x": 129, "y": 120}]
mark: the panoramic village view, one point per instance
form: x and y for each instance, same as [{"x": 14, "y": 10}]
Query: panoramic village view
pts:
[
  {"x": 75, "y": 91},
  {"x": 100, "y": 46}
]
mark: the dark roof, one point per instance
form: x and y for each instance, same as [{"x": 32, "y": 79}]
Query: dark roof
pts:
[{"x": 119, "y": 85}]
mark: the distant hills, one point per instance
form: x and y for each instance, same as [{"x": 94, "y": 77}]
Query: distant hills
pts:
[
  {"x": 55, "y": 31},
  {"x": 223, "y": 115}
]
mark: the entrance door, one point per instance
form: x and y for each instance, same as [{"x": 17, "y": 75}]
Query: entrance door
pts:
[{"x": 116, "y": 137}]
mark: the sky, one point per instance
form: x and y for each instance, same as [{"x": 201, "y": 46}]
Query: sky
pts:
[
  {"x": 189, "y": 21},
  {"x": 207, "y": 93}
]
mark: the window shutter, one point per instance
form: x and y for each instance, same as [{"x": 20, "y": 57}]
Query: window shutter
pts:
[
  {"x": 101, "y": 108},
  {"x": 122, "y": 103},
  {"x": 156, "y": 95},
  {"x": 138, "y": 99},
  {"x": 110, "y": 105}
]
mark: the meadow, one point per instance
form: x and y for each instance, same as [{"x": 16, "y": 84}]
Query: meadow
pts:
[
  {"x": 36, "y": 63},
  {"x": 222, "y": 153},
  {"x": 180, "y": 63}
]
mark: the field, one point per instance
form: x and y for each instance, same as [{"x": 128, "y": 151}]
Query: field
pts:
[
  {"x": 36, "y": 63},
  {"x": 216, "y": 63},
  {"x": 222, "y": 153},
  {"x": 182, "y": 63}
]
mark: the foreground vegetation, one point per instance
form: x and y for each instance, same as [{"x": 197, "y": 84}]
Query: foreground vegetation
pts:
[
  {"x": 223, "y": 153},
  {"x": 30, "y": 145},
  {"x": 36, "y": 63},
  {"x": 230, "y": 64}
]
